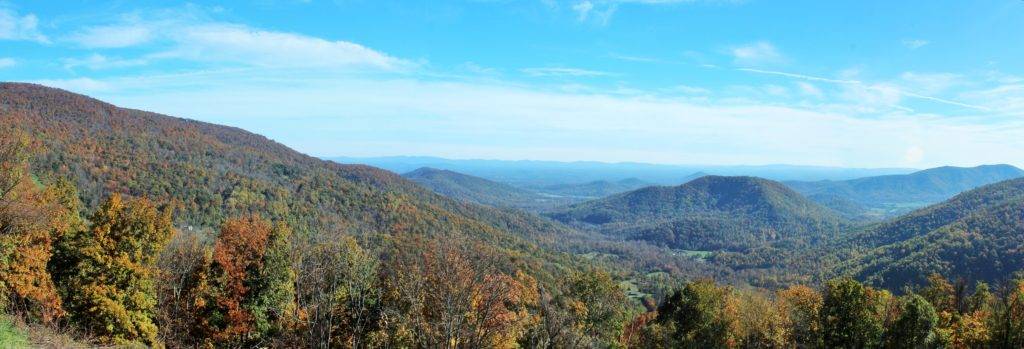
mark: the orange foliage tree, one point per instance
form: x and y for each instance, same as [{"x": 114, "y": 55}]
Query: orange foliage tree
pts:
[
  {"x": 30, "y": 216},
  {"x": 250, "y": 289}
]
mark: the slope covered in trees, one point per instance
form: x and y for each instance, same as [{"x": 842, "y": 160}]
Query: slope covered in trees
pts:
[
  {"x": 215, "y": 172},
  {"x": 890, "y": 195},
  {"x": 481, "y": 191},
  {"x": 708, "y": 213},
  {"x": 976, "y": 235}
]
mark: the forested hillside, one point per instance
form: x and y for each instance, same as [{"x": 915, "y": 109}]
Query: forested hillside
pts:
[
  {"x": 709, "y": 213},
  {"x": 224, "y": 188},
  {"x": 887, "y": 196},
  {"x": 977, "y": 235}
]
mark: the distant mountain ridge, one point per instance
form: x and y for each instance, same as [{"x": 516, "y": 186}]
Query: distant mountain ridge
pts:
[
  {"x": 595, "y": 189},
  {"x": 708, "y": 213},
  {"x": 894, "y": 194},
  {"x": 536, "y": 174},
  {"x": 480, "y": 191}
]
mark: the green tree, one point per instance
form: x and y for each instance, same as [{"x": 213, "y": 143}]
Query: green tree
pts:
[
  {"x": 915, "y": 327},
  {"x": 695, "y": 316},
  {"x": 1007, "y": 320},
  {"x": 109, "y": 287},
  {"x": 847, "y": 317}
]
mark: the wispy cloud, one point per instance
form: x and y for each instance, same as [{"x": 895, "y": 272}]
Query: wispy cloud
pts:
[
  {"x": 14, "y": 26},
  {"x": 114, "y": 36},
  {"x": 914, "y": 44},
  {"x": 98, "y": 61},
  {"x": 882, "y": 93},
  {"x": 7, "y": 62},
  {"x": 756, "y": 53},
  {"x": 558, "y": 71},
  {"x": 192, "y": 38}
]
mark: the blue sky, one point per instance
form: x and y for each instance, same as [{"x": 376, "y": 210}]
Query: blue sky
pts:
[{"x": 839, "y": 83}]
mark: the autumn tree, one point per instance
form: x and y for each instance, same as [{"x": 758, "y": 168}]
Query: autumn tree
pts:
[
  {"x": 801, "y": 305},
  {"x": 109, "y": 286},
  {"x": 337, "y": 291},
  {"x": 31, "y": 217},
  {"x": 250, "y": 287},
  {"x": 444, "y": 294},
  {"x": 184, "y": 266}
]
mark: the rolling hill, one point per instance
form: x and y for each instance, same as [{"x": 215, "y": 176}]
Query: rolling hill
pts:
[
  {"x": 214, "y": 172},
  {"x": 481, "y": 191},
  {"x": 890, "y": 195},
  {"x": 977, "y": 235},
  {"x": 596, "y": 189},
  {"x": 708, "y": 214}
]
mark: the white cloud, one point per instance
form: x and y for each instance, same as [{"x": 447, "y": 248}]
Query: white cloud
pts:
[
  {"x": 114, "y": 36},
  {"x": 761, "y": 52},
  {"x": 7, "y": 62},
  {"x": 189, "y": 36},
  {"x": 16, "y": 27},
  {"x": 914, "y": 44},
  {"x": 98, "y": 61},
  {"x": 467, "y": 119},
  {"x": 563, "y": 72},
  {"x": 237, "y": 43}
]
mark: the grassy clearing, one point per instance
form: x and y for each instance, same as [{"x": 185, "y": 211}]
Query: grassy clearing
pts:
[{"x": 11, "y": 336}]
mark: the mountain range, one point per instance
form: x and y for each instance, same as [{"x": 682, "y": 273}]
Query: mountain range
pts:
[
  {"x": 890, "y": 195},
  {"x": 538, "y": 174},
  {"x": 481, "y": 191},
  {"x": 751, "y": 225}
]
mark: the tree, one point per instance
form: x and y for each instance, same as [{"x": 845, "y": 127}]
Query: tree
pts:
[
  {"x": 915, "y": 326},
  {"x": 109, "y": 287},
  {"x": 31, "y": 217},
  {"x": 250, "y": 287},
  {"x": 446, "y": 295},
  {"x": 695, "y": 316},
  {"x": 184, "y": 266},
  {"x": 848, "y": 318},
  {"x": 1007, "y": 321},
  {"x": 596, "y": 306},
  {"x": 337, "y": 291},
  {"x": 801, "y": 305}
]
